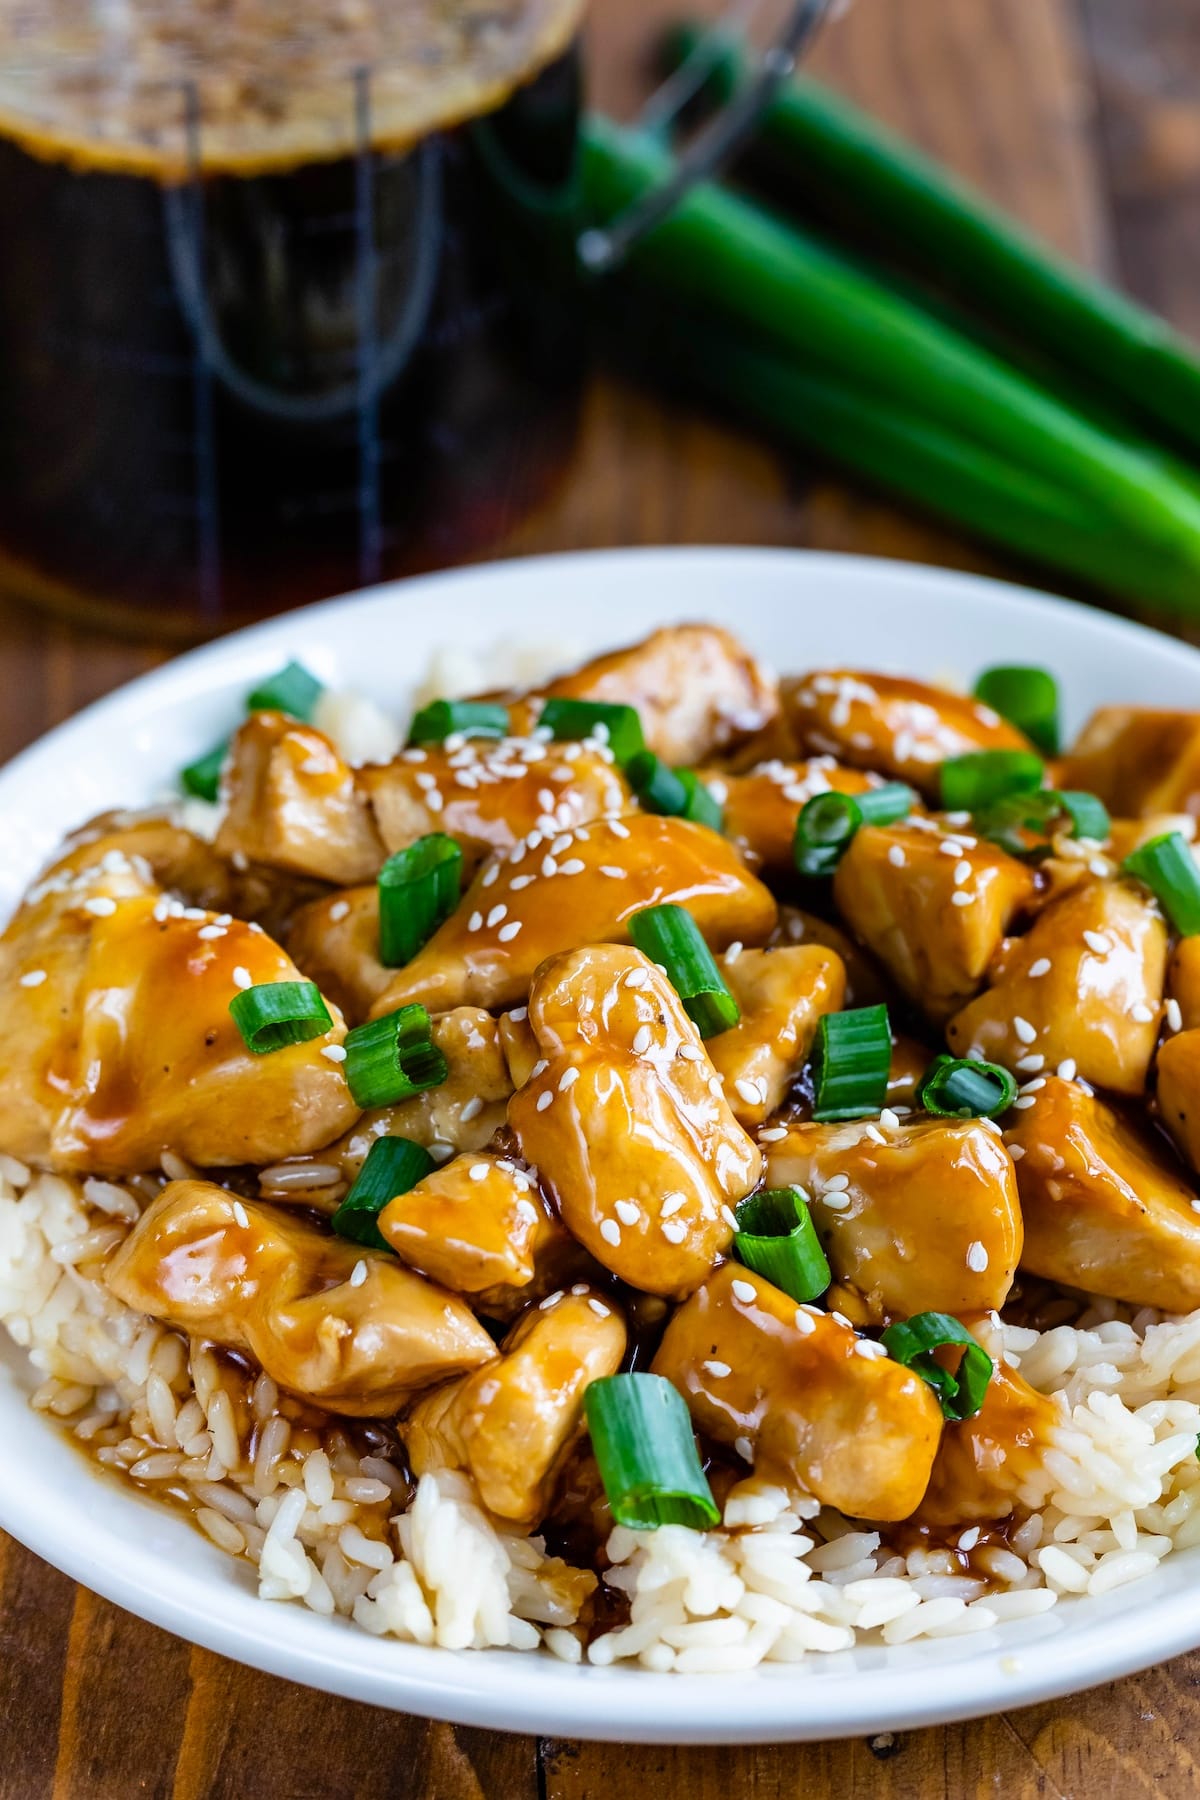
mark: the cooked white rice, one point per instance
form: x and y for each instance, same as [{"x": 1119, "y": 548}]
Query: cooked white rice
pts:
[{"x": 329, "y": 1527}]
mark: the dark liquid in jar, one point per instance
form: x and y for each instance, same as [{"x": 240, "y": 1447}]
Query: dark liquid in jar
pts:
[{"x": 225, "y": 394}]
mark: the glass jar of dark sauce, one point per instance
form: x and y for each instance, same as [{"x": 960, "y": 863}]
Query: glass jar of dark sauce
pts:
[{"x": 283, "y": 310}]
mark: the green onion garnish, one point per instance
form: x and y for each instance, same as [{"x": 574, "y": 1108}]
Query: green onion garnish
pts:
[
  {"x": 646, "y": 1453},
  {"x": 975, "y": 780},
  {"x": 777, "y": 1238},
  {"x": 293, "y": 691},
  {"x": 670, "y": 936},
  {"x": 393, "y": 1058},
  {"x": 279, "y": 1013},
  {"x": 911, "y": 1343},
  {"x": 203, "y": 777},
  {"x": 1027, "y": 698},
  {"x": 571, "y": 721},
  {"x": 471, "y": 718},
  {"x": 851, "y": 1059},
  {"x": 829, "y": 821},
  {"x": 1023, "y": 824},
  {"x": 676, "y": 793},
  {"x": 418, "y": 888},
  {"x": 956, "y": 1087},
  {"x": 393, "y": 1165},
  {"x": 1167, "y": 867}
]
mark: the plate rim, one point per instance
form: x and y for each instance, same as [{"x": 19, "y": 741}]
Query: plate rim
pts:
[{"x": 494, "y": 1689}]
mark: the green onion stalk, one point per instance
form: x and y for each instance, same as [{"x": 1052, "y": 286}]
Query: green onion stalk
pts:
[{"x": 758, "y": 315}]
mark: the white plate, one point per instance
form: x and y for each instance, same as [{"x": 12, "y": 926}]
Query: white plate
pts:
[{"x": 797, "y": 610}]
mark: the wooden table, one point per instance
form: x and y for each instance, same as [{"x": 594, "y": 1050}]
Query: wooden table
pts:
[{"x": 1083, "y": 117}]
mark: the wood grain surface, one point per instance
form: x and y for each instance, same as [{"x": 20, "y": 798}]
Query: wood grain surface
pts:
[{"x": 1083, "y": 117}]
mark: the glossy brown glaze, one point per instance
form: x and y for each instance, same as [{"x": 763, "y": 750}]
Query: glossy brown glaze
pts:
[
  {"x": 581, "y": 888},
  {"x": 1138, "y": 760},
  {"x": 983, "y": 1463},
  {"x": 257, "y": 1278},
  {"x": 792, "y": 1391},
  {"x": 783, "y": 995},
  {"x": 292, "y": 803},
  {"x": 627, "y": 1123},
  {"x": 762, "y": 806}
]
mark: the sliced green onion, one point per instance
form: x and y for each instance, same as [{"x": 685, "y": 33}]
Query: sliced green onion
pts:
[
  {"x": 1023, "y": 824},
  {"x": 829, "y": 821},
  {"x": 911, "y": 1342},
  {"x": 419, "y": 888},
  {"x": 203, "y": 777},
  {"x": 670, "y": 936},
  {"x": 676, "y": 793},
  {"x": 777, "y": 1238},
  {"x": 1027, "y": 698},
  {"x": 293, "y": 691},
  {"x": 571, "y": 721},
  {"x": 851, "y": 1059},
  {"x": 956, "y": 1087},
  {"x": 1088, "y": 814},
  {"x": 393, "y": 1058},
  {"x": 981, "y": 776},
  {"x": 826, "y": 825},
  {"x": 393, "y": 1165},
  {"x": 471, "y": 718},
  {"x": 1167, "y": 867},
  {"x": 279, "y": 1013},
  {"x": 646, "y": 1453}
]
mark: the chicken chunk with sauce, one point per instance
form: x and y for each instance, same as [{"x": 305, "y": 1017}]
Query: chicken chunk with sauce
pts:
[
  {"x": 513, "y": 1424},
  {"x": 581, "y": 888},
  {"x": 899, "y": 728},
  {"x": 782, "y": 996},
  {"x": 626, "y": 1122},
  {"x": 1138, "y": 760},
  {"x": 259, "y": 1279},
  {"x": 933, "y": 905},
  {"x": 1084, "y": 985},
  {"x": 801, "y": 1396},
  {"x": 291, "y": 802},
  {"x": 762, "y": 806},
  {"x": 335, "y": 941},
  {"x": 985, "y": 1464},
  {"x": 1104, "y": 1207},
  {"x": 920, "y": 1217}
]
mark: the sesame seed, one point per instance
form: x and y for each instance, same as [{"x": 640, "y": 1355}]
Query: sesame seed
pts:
[
  {"x": 691, "y": 1053},
  {"x": 674, "y": 1230},
  {"x": 33, "y": 978},
  {"x": 734, "y": 951},
  {"x": 575, "y": 866},
  {"x": 950, "y": 847},
  {"x": 869, "y": 1348},
  {"x": 960, "y": 898},
  {"x": 958, "y": 818},
  {"x": 613, "y": 873},
  {"x": 103, "y": 908},
  {"x": 1020, "y": 1105},
  {"x": 598, "y": 1307},
  {"x": 544, "y": 1100},
  {"x": 1024, "y": 1030},
  {"x": 1030, "y": 1064},
  {"x": 744, "y": 1448},
  {"x": 896, "y": 856},
  {"x": 730, "y": 1217},
  {"x": 1040, "y": 967},
  {"x": 743, "y": 1291},
  {"x": 194, "y": 912},
  {"x": 497, "y": 913},
  {"x": 479, "y": 1171},
  {"x": 241, "y": 1215},
  {"x": 969, "y": 1538},
  {"x": 610, "y": 1231},
  {"x": 671, "y": 1204},
  {"x": 549, "y": 866},
  {"x": 1035, "y": 1086},
  {"x": 1141, "y": 1012},
  {"x": 1096, "y": 940},
  {"x": 962, "y": 872},
  {"x": 539, "y": 1068},
  {"x": 888, "y": 1119},
  {"x": 805, "y": 1323},
  {"x": 521, "y": 881},
  {"x": 338, "y": 911},
  {"x": 490, "y": 874},
  {"x": 977, "y": 1257},
  {"x": 1098, "y": 866},
  {"x": 508, "y": 932},
  {"x": 211, "y": 931},
  {"x": 440, "y": 1150},
  {"x": 628, "y": 1211},
  {"x": 837, "y": 1184},
  {"x": 550, "y": 1300},
  {"x": 358, "y": 1273},
  {"x": 636, "y": 978},
  {"x": 580, "y": 1288},
  {"x": 1016, "y": 1151},
  {"x": 1174, "y": 1016},
  {"x": 567, "y": 1079},
  {"x": 774, "y": 1134},
  {"x": 617, "y": 829},
  {"x": 835, "y": 1200},
  {"x": 334, "y": 1053},
  {"x": 718, "y": 1370},
  {"x": 519, "y": 1013},
  {"x": 873, "y": 1132},
  {"x": 425, "y": 781},
  {"x": 475, "y": 922},
  {"x": 752, "y": 1092},
  {"x": 641, "y": 1040},
  {"x": 471, "y": 1110}
]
